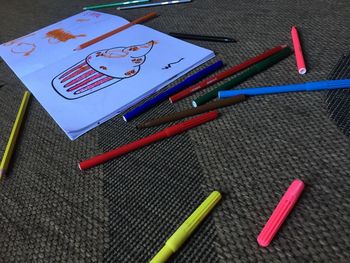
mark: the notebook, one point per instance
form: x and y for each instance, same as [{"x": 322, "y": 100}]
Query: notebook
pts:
[{"x": 82, "y": 89}]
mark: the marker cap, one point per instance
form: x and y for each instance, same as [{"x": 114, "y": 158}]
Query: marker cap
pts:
[
  {"x": 280, "y": 213},
  {"x": 163, "y": 255},
  {"x": 302, "y": 71}
]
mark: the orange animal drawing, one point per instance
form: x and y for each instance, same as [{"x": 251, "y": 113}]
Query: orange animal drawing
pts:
[{"x": 59, "y": 35}]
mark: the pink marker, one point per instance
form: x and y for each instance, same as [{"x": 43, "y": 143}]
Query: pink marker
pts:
[
  {"x": 280, "y": 213},
  {"x": 298, "y": 51}
]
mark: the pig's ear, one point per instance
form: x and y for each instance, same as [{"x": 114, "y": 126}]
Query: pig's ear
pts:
[
  {"x": 140, "y": 50},
  {"x": 115, "y": 53}
]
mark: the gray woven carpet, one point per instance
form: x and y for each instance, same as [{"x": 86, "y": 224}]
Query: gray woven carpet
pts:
[
  {"x": 124, "y": 211},
  {"x": 338, "y": 101},
  {"x": 150, "y": 193}
]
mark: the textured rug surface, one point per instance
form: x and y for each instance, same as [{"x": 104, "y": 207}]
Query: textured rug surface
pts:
[
  {"x": 257, "y": 148},
  {"x": 50, "y": 211},
  {"x": 338, "y": 101},
  {"x": 124, "y": 210}
]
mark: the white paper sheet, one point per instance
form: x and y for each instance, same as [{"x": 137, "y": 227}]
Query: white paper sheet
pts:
[{"x": 81, "y": 89}]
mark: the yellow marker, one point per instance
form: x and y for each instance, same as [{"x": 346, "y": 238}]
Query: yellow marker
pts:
[
  {"x": 186, "y": 229},
  {"x": 14, "y": 133}
]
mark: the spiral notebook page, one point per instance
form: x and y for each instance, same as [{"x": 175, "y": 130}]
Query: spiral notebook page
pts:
[{"x": 81, "y": 89}]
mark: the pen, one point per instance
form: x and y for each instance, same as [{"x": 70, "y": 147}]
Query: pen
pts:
[
  {"x": 166, "y": 94},
  {"x": 155, "y": 4},
  {"x": 166, "y": 133},
  {"x": 186, "y": 229},
  {"x": 202, "y": 37},
  {"x": 255, "y": 69},
  {"x": 229, "y": 72},
  {"x": 308, "y": 86}
]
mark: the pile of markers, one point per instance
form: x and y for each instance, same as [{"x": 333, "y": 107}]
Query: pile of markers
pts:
[{"x": 206, "y": 109}]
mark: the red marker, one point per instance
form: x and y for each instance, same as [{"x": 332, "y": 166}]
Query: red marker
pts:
[
  {"x": 166, "y": 133},
  {"x": 210, "y": 81},
  {"x": 280, "y": 213}
]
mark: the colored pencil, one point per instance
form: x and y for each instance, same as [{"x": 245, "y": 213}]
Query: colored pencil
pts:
[
  {"x": 155, "y": 4},
  {"x": 166, "y": 133},
  {"x": 114, "y": 4},
  {"x": 117, "y": 30},
  {"x": 229, "y": 72},
  {"x": 192, "y": 111},
  {"x": 14, "y": 134},
  {"x": 255, "y": 69}
]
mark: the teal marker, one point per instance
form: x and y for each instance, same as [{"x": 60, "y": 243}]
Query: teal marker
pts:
[
  {"x": 115, "y": 4},
  {"x": 155, "y": 4}
]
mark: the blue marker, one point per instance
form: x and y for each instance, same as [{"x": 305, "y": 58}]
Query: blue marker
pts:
[
  {"x": 165, "y": 95},
  {"x": 308, "y": 86}
]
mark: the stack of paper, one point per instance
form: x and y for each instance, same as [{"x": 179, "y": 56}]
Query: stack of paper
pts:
[{"x": 81, "y": 89}]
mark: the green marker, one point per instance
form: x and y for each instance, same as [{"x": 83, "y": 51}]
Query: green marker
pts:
[
  {"x": 257, "y": 68},
  {"x": 115, "y": 4}
]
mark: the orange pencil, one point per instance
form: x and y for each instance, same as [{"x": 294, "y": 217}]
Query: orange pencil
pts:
[{"x": 117, "y": 30}]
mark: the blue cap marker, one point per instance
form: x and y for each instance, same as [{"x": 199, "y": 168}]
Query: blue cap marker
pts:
[
  {"x": 165, "y": 95},
  {"x": 308, "y": 86}
]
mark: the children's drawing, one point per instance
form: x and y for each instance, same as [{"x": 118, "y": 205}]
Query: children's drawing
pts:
[
  {"x": 20, "y": 47},
  {"x": 100, "y": 70},
  {"x": 23, "y": 48},
  {"x": 93, "y": 14},
  {"x": 59, "y": 35},
  {"x": 169, "y": 65},
  {"x": 15, "y": 41},
  {"x": 82, "y": 20}
]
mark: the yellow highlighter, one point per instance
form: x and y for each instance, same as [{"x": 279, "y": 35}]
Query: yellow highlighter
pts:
[
  {"x": 14, "y": 133},
  {"x": 186, "y": 229}
]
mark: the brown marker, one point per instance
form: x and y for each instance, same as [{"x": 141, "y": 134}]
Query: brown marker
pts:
[{"x": 194, "y": 111}]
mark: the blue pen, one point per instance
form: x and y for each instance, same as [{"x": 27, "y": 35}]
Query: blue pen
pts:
[
  {"x": 308, "y": 86},
  {"x": 165, "y": 95}
]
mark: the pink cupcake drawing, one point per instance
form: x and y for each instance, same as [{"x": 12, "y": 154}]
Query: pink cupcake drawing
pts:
[{"x": 100, "y": 70}]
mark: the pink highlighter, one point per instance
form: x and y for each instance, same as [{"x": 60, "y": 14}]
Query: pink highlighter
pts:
[
  {"x": 280, "y": 213},
  {"x": 298, "y": 51}
]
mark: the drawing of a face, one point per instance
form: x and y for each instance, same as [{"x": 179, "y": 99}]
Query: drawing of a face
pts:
[{"x": 101, "y": 69}]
